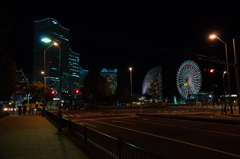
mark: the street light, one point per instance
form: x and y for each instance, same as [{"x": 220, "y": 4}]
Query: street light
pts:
[
  {"x": 60, "y": 87},
  {"x": 46, "y": 40},
  {"x": 229, "y": 89}
]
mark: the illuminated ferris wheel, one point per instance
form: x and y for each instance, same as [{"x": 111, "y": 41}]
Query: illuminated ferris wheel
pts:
[{"x": 189, "y": 78}]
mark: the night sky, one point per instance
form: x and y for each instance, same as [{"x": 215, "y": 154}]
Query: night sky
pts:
[{"x": 133, "y": 33}]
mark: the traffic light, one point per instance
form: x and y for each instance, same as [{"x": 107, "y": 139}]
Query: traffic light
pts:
[
  {"x": 211, "y": 70},
  {"x": 77, "y": 91},
  {"x": 52, "y": 92}
]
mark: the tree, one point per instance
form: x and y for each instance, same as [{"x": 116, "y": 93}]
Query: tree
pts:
[
  {"x": 95, "y": 88},
  {"x": 36, "y": 90},
  {"x": 122, "y": 95},
  {"x": 8, "y": 76}
]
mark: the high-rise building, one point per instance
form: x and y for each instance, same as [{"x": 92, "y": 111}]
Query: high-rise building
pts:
[
  {"x": 52, "y": 29},
  {"x": 111, "y": 75},
  {"x": 73, "y": 79},
  {"x": 152, "y": 84},
  {"x": 83, "y": 73}
]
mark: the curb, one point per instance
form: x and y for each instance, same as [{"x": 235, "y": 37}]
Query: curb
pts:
[{"x": 194, "y": 118}]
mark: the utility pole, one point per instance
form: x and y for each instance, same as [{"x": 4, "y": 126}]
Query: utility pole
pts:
[{"x": 237, "y": 74}]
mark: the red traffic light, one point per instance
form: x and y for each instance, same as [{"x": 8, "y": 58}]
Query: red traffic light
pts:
[
  {"x": 211, "y": 70},
  {"x": 52, "y": 92},
  {"x": 77, "y": 91}
]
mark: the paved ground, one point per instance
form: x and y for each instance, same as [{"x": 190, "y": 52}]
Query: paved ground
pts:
[
  {"x": 169, "y": 137},
  {"x": 34, "y": 137}
]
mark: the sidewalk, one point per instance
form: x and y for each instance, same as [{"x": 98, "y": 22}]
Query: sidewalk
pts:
[{"x": 34, "y": 137}]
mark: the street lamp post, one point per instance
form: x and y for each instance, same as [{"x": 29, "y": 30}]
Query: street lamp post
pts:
[
  {"x": 225, "y": 110},
  {"x": 229, "y": 89},
  {"x": 130, "y": 68},
  {"x": 46, "y": 40},
  {"x": 44, "y": 74},
  {"x": 60, "y": 91}
]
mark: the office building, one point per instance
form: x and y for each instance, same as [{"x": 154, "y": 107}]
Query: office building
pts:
[
  {"x": 111, "y": 75},
  {"x": 152, "y": 84},
  {"x": 52, "y": 29}
]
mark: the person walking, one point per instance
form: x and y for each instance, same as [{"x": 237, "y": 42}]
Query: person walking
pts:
[{"x": 24, "y": 110}]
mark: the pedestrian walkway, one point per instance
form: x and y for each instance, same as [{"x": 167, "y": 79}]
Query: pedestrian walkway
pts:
[{"x": 34, "y": 137}]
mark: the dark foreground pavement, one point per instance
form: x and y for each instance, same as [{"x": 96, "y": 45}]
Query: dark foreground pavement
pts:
[{"x": 34, "y": 137}]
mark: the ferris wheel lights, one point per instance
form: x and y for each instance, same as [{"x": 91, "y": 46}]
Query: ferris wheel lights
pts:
[{"x": 188, "y": 78}]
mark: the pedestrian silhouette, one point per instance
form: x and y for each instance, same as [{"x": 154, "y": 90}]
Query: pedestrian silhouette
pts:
[
  {"x": 24, "y": 110},
  {"x": 20, "y": 110}
]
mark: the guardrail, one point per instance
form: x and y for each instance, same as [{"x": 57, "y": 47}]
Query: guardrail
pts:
[{"x": 99, "y": 144}]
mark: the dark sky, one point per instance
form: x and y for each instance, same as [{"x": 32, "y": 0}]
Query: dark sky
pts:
[{"x": 133, "y": 33}]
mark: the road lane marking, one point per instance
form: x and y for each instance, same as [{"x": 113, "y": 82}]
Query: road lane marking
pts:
[
  {"x": 117, "y": 121},
  {"x": 167, "y": 138},
  {"x": 105, "y": 118},
  {"x": 189, "y": 128}
]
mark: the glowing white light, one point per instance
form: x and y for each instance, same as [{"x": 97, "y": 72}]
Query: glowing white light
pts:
[
  {"x": 46, "y": 40},
  {"x": 212, "y": 36}
]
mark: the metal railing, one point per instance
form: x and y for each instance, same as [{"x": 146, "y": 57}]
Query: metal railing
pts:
[{"x": 99, "y": 144}]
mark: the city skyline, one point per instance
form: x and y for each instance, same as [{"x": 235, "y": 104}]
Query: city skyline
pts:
[{"x": 113, "y": 38}]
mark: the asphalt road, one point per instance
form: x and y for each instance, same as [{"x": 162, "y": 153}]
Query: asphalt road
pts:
[{"x": 167, "y": 138}]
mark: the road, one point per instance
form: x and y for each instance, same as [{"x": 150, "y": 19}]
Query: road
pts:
[{"x": 167, "y": 138}]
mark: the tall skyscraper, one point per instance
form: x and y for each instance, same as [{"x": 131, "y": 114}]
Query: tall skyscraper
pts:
[
  {"x": 73, "y": 79},
  {"x": 111, "y": 75},
  {"x": 152, "y": 83},
  {"x": 52, "y": 29}
]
